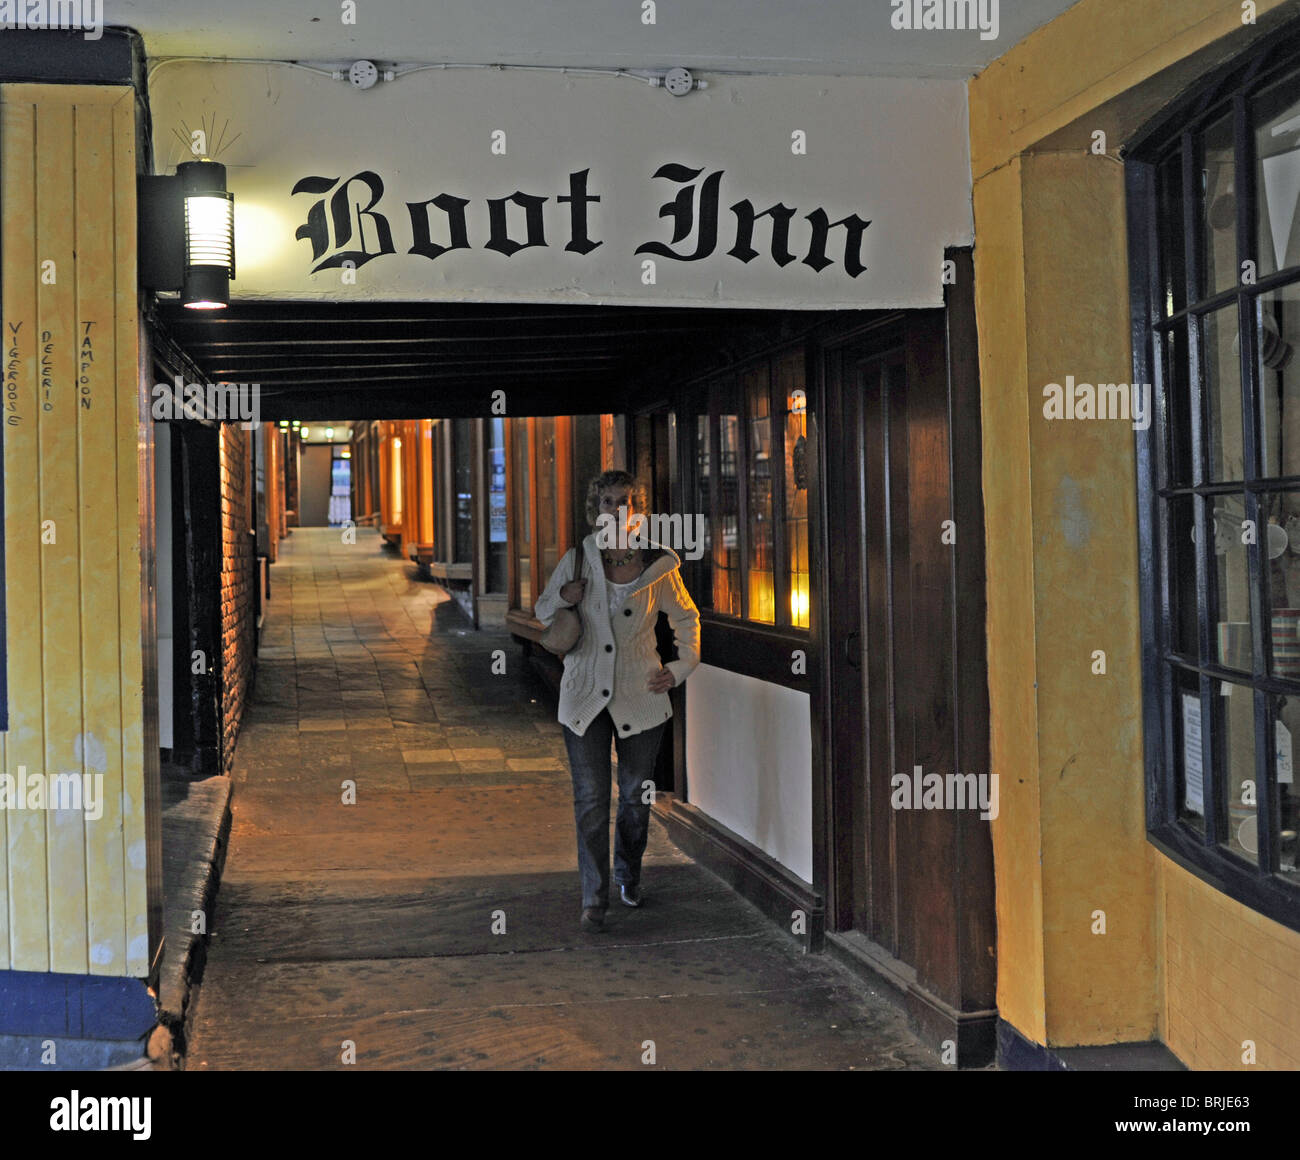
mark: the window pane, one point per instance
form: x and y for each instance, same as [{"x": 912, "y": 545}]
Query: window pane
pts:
[
  {"x": 1221, "y": 371},
  {"x": 726, "y": 549},
  {"x": 1280, "y": 540},
  {"x": 1277, "y": 322},
  {"x": 762, "y": 597},
  {"x": 1217, "y": 209},
  {"x": 1173, "y": 271},
  {"x": 1235, "y": 713},
  {"x": 519, "y": 483},
  {"x": 496, "y": 504},
  {"x": 1276, "y": 115},
  {"x": 790, "y": 378},
  {"x": 1178, "y": 408},
  {"x": 1286, "y": 806},
  {"x": 462, "y": 463},
  {"x": 1232, "y": 588},
  {"x": 548, "y": 515},
  {"x": 1182, "y": 576},
  {"x": 704, "y": 505},
  {"x": 1189, "y": 758}
]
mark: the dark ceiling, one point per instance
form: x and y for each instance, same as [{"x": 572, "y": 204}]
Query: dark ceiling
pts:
[{"x": 436, "y": 360}]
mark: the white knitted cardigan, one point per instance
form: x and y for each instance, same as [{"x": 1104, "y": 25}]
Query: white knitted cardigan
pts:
[{"x": 611, "y": 664}]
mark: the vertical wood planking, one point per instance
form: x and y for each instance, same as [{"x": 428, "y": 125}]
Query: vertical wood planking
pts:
[
  {"x": 60, "y": 539},
  {"x": 28, "y": 918},
  {"x": 97, "y": 430},
  {"x": 78, "y": 888}
]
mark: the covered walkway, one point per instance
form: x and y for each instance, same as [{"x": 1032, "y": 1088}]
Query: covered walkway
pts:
[{"x": 433, "y": 923}]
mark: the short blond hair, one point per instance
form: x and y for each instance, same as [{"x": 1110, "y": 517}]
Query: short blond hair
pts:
[{"x": 611, "y": 479}]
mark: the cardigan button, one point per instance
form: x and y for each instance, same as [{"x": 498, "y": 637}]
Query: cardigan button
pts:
[
  {"x": 627, "y": 612},
  {"x": 626, "y": 727},
  {"x": 604, "y": 692},
  {"x": 609, "y": 648}
]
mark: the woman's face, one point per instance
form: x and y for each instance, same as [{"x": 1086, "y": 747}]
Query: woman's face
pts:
[{"x": 613, "y": 498}]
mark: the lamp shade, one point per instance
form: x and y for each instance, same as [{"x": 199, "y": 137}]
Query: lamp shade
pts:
[{"x": 209, "y": 235}]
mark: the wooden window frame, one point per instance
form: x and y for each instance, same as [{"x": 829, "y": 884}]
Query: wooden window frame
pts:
[
  {"x": 1229, "y": 90},
  {"x": 736, "y": 643}
]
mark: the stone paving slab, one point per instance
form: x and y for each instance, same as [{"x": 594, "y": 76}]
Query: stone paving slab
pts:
[
  {"x": 455, "y": 916},
  {"x": 791, "y": 1030},
  {"x": 372, "y": 923}
]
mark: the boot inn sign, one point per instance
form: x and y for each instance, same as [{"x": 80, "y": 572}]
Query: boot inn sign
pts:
[
  {"x": 793, "y": 192},
  {"x": 693, "y": 213}
]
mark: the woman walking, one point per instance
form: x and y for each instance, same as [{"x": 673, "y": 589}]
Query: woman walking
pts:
[{"x": 615, "y": 686}]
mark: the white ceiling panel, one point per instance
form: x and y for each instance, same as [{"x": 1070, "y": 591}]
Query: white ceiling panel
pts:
[{"x": 828, "y": 37}]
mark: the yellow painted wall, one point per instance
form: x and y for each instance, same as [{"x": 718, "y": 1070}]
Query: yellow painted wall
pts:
[
  {"x": 1232, "y": 979},
  {"x": 1052, "y": 299},
  {"x": 76, "y": 897}
]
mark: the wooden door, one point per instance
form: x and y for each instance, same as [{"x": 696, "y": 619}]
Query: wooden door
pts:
[{"x": 906, "y": 684}]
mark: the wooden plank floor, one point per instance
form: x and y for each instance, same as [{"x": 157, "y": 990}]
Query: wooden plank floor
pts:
[{"x": 372, "y": 924}]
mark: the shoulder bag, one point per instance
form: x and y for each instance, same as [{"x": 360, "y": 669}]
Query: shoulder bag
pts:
[{"x": 566, "y": 629}]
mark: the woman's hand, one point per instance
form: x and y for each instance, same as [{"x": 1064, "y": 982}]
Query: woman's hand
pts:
[
  {"x": 661, "y": 681},
  {"x": 573, "y": 592}
]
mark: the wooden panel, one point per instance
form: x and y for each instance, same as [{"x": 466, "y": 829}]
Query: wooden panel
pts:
[
  {"x": 56, "y": 307},
  {"x": 973, "y": 863},
  {"x": 97, "y": 432},
  {"x": 932, "y": 885},
  {"x": 85, "y": 895},
  {"x": 873, "y": 813},
  {"x": 141, "y": 818},
  {"x": 27, "y": 948},
  {"x": 904, "y": 694}
]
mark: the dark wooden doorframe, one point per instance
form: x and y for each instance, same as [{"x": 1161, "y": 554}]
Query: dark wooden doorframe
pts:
[{"x": 902, "y": 668}]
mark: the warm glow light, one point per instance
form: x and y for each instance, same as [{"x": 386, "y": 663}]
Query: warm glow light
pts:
[
  {"x": 264, "y": 238},
  {"x": 209, "y": 230},
  {"x": 304, "y": 432},
  {"x": 345, "y": 454},
  {"x": 799, "y": 604},
  {"x": 204, "y": 305},
  {"x": 329, "y": 432}
]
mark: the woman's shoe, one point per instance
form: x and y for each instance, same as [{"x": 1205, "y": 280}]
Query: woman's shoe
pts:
[
  {"x": 631, "y": 895},
  {"x": 593, "y": 919}
]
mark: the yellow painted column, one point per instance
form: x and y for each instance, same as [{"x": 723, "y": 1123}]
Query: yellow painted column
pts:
[
  {"x": 1075, "y": 881},
  {"x": 1052, "y": 297},
  {"x": 77, "y": 896}
]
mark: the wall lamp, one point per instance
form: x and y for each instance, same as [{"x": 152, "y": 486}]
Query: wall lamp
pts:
[{"x": 187, "y": 234}]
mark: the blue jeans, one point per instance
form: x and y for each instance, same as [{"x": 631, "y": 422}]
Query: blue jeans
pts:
[{"x": 590, "y": 765}]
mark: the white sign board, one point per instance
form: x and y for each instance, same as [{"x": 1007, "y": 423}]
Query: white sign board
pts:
[{"x": 511, "y": 185}]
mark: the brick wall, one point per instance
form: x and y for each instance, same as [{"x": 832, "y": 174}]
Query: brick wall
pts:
[{"x": 237, "y": 594}]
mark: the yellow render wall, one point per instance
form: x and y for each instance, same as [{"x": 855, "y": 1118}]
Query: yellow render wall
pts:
[
  {"x": 1052, "y": 300},
  {"x": 1232, "y": 979},
  {"x": 75, "y": 894}
]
